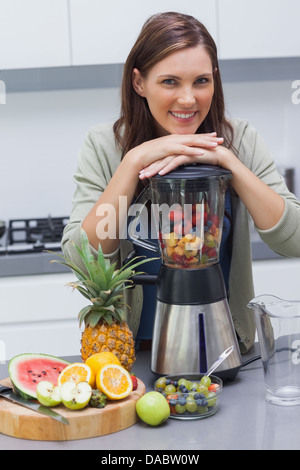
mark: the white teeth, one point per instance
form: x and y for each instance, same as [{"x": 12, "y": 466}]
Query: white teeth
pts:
[{"x": 182, "y": 116}]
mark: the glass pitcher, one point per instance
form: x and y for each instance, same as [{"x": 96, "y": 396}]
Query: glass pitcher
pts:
[
  {"x": 278, "y": 330},
  {"x": 187, "y": 210}
]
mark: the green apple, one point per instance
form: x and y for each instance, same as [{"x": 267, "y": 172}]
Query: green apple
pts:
[
  {"x": 76, "y": 396},
  {"x": 48, "y": 394},
  {"x": 153, "y": 408}
]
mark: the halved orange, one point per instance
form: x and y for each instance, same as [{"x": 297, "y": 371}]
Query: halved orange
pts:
[
  {"x": 77, "y": 372},
  {"x": 98, "y": 360},
  {"x": 114, "y": 381}
]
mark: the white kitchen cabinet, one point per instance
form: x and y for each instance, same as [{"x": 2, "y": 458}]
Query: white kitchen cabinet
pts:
[
  {"x": 38, "y": 314},
  {"x": 34, "y": 34},
  {"x": 104, "y": 33},
  {"x": 259, "y": 28},
  {"x": 279, "y": 277}
]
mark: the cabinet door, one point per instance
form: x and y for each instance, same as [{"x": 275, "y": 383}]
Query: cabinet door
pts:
[
  {"x": 259, "y": 28},
  {"x": 104, "y": 32},
  {"x": 34, "y": 33}
]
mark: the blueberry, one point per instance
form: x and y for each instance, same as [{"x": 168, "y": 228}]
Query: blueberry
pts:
[
  {"x": 199, "y": 396},
  {"x": 175, "y": 383},
  {"x": 168, "y": 381},
  {"x": 173, "y": 402},
  {"x": 181, "y": 387},
  {"x": 181, "y": 400}
]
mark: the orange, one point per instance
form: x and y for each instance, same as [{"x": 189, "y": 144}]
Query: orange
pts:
[
  {"x": 77, "y": 372},
  {"x": 97, "y": 361},
  {"x": 114, "y": 381}
]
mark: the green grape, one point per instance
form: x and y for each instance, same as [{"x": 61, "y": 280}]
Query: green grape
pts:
[
  {"x": 182, "y": 382},
  {"x": 170, "y": 389},
  {"x": 191, "y": 406},
  {"x": 202, "y": 388},
  {"x": 194, "y": 385},
  {"x": 161, "y": 382},
  {"x": 211, "y": 399},
  {"x": 180, "y": 409},
  {"x": 202, "y": 409},
  {"x": 205, "y": 381}
]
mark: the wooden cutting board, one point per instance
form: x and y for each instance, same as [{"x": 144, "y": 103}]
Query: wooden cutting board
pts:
[{"x": 17, "y": 421}]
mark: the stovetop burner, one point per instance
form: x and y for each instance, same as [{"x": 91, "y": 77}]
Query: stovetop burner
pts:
[{"x": 29, "y": 235}]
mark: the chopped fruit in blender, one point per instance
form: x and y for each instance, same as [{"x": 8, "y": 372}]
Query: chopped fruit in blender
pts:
[{"x": 193, "y": 238}]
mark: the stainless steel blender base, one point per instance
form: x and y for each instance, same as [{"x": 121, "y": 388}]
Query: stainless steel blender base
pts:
[{"x": 189, "y": 338}]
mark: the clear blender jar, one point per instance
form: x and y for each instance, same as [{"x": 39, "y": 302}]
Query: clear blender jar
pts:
[
  {"x": 189, "y": 205},
  {"x": 187, "y": 210}
]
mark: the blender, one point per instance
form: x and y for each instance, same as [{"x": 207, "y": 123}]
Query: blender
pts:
[{"x": 193, "y": 323}]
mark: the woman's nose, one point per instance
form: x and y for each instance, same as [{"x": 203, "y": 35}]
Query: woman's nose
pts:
[{"x": 186, "y": 97}]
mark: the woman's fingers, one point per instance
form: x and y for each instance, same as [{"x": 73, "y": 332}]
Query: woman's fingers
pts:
[{"x": 174, "y": 150}]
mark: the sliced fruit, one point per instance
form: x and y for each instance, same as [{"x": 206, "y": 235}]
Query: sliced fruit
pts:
[
  {"x": 27, "y": 370},
  {"x": 171, "y": 239},
  {"x": 77, "y": 372},
  {"x": 97, "y": 361},
  {"x": 48, "y": 394},
  {"x": 114, "y": 381},
  {"x": 76, "y": 396}
]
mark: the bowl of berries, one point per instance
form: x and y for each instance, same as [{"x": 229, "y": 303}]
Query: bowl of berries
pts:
[{"x": 190, "y": 396}]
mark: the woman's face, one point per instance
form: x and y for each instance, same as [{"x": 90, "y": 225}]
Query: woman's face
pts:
[{"x": 179, "y": 90}]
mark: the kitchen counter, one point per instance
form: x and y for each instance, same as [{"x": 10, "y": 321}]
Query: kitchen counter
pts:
[
  {"x": 244, "y": 421},
  {"x": 22, "y": 264}
]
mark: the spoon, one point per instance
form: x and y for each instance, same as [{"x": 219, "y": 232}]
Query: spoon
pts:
[{"x": 220, "y": 359}]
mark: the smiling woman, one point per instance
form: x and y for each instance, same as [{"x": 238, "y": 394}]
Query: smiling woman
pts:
[{"x": 172, "y": 114}]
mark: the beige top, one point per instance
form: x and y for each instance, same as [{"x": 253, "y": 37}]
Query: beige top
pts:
[{"x": 98, "y": 160}]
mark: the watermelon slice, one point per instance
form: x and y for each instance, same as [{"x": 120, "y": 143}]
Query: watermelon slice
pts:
[{"x": 27, "y": 370}]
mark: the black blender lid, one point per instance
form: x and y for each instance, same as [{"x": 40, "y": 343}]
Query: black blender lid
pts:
[{"x": 195, "y": 171}]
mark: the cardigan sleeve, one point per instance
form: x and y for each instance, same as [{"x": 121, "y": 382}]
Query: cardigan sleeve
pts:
[
  {"x": 97, "y": 161},
  {"x": 284, "y": 237}
]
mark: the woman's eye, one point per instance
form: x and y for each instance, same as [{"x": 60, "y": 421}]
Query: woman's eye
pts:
[
  {"x": 169, "y": 81},
  {"x": 202, "y": 80}
]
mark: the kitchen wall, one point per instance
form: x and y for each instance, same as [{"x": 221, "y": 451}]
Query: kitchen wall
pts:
[{"x": 41, "y": 133}]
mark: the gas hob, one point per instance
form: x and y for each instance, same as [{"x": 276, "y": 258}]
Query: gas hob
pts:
[{"x": 33, "y": 235}]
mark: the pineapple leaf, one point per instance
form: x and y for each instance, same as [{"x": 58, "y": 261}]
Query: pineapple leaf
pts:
[
  {"x": 80, "y": 289},
  {"x": 84, "y": 312},
  {"x": 88, "y": 286},
  {"x": 101, "y": 283},
  {"x": 79, "y": 274}
]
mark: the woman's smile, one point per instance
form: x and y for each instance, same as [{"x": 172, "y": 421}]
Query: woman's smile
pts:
[{"x": 183, "y": 115}]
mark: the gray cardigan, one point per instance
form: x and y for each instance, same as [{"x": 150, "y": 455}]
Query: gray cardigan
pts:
[{"x": 100, "y": 157}]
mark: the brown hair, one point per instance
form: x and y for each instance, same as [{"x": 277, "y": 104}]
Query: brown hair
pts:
[{"x": 161, "y": 35}]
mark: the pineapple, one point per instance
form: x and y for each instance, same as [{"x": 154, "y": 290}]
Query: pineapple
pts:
[{"x": 104, "y": 320}]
